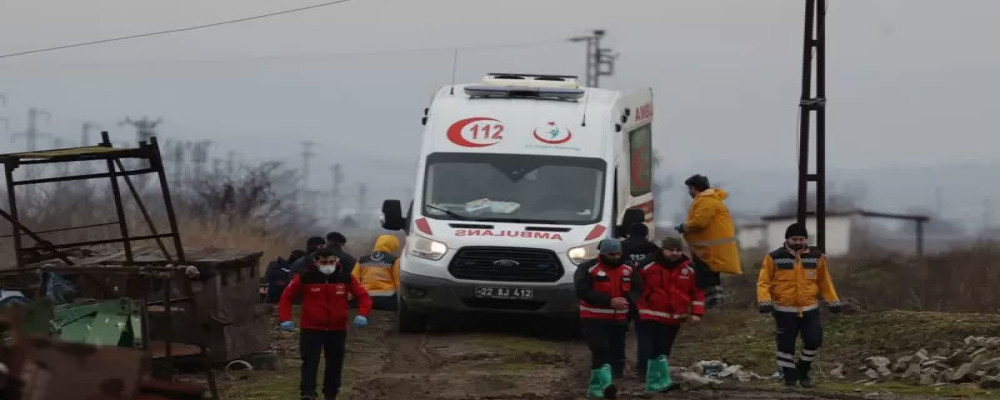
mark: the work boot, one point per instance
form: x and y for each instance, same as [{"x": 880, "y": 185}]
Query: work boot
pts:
[
  {"x": 791, "y": 377},
  {"x": 658, "y": 375},
  {"x": 600, "y": 383},
  {"x": 803, "y": 370}
]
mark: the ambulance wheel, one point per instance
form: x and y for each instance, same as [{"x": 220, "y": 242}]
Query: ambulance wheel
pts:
[{"x": 410, "y": 321}]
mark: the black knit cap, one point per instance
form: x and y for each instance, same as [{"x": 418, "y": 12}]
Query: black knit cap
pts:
[
  {"x": 796, "y": 229},
  {"x": 699, "y": 182}
]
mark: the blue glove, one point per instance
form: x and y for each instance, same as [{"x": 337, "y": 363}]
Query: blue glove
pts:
[
  {"x": 679, "y": 228},
  {"x": 287, "y": 326},
  {"x": 360, "y": 321}
]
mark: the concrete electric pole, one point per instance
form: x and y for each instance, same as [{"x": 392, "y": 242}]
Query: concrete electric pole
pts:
[
  {"x": 32, "y": 134},
  {"x": 600, "y": 61}
]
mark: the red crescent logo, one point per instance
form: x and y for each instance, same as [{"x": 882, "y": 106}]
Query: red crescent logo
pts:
[
  {"x": 455, "y": 132},
  {"x": 569, "y": 135}
]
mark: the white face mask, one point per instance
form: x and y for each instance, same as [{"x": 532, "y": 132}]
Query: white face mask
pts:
[{"x": 327, "y": 269}]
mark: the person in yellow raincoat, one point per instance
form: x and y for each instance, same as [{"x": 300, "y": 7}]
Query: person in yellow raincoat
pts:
[
  {"x": 709, "y": 233},
  {"x": 378, "y": 273},
  {"x": 791, "y": 278}
]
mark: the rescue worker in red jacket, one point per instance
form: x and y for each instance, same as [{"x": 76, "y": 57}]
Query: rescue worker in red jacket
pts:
[
  {"x": 324, "y": 286},
  {"x": 670, "y": 297},
  {"x": 606, "y": 287},
  {"x": 791, "y": 280}
]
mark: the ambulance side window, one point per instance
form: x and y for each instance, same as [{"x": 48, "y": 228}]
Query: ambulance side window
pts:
[{"x": 640, "y": 160}]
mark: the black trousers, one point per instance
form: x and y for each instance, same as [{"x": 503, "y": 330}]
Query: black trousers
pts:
[
  {"x": 331, "y": 344},
  {"x": 606, "y": 340},
  {"x": 654, "y": 340},
  {"x": 703, "y": 275},
  {"x": 789, "y": 327},
  {"x": 385, "y": 303}
]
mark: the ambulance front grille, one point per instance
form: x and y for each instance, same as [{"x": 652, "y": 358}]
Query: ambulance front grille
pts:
[{"x": 506, "y": 264}]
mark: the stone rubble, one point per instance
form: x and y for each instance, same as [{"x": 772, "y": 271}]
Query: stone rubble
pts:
[{"x": 974, "y": 361}]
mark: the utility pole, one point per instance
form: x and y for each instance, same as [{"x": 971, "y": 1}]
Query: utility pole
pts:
[
  {"x": 338, "y": 179},
  {"x": 31, "y": 135},
  {"x": 199, "y": 156},
  {"x": 814, "y": 42},
  {"x": 362, "y": 199},
  {"x": 6, "y": 122},
  {"x": 85, "y": 133},
  {"x": 307, "y": 155},
  {"x": 600, "y": 61},
  {"x": 145, "y": 128},
  {"x": 231, "y": 162}
]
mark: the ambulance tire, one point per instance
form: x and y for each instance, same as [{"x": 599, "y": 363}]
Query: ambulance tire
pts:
[{"x": 410, "y": 321}]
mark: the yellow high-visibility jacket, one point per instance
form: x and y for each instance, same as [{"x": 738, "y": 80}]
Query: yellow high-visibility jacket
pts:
[
  {"x": 709, "y": 232},
  {"x": 379, "y": 272},
  {"x": 793, "y": 282}
]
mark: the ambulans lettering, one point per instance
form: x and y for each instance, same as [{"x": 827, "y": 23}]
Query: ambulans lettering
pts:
[
  {"x": 476, "y": 132},
  {"x": 511, "y": 234}
]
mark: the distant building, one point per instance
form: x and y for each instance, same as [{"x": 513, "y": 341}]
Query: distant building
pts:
[{"x": 845, "y": 231}]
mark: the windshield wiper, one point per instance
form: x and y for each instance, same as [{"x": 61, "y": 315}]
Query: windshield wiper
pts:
[{"x": 450, "y": 213}]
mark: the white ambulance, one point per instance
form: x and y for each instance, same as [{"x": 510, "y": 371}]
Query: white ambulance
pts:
[{"x": 520, "y": 176}]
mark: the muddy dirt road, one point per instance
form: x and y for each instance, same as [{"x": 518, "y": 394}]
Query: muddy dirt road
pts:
[{"x": 495, "y": 358}]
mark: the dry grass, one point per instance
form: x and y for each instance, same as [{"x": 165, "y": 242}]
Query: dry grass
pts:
[
  {"x": 242, "y": 237},
  {"x": 961, "y": 280}
]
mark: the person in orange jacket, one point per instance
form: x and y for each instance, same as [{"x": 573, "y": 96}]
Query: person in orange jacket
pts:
[
  {"x": 378, "y": 272},
  {"x": 324, "y": 286},
  {"x": 791, "y": 278}
]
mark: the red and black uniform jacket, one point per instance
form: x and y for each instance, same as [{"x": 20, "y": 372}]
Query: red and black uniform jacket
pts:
[
  {"x": 324, "y": 299},
  {"x": 669, "y": 293},
  {"x": 597, "y": 283}
]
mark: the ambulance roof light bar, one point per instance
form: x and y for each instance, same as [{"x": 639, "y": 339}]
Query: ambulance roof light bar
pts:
[
  {"x": 532, "y": 80},
  {"x": 483, "y": 91}
]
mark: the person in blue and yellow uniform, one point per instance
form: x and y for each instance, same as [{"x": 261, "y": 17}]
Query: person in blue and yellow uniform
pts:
[
  {"x": 791, "y": 280},
  {"x": 378, "y": 272},
  {"x": 607, "y": 288}
]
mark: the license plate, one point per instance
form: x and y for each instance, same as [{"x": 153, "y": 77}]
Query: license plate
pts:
[{"x": 504, "y": 293}]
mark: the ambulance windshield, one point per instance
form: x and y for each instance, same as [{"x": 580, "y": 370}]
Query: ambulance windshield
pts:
[{"x": 514, "y": 188}]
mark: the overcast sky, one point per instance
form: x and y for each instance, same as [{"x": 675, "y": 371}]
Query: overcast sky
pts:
[{"x": 910, "y": 82}]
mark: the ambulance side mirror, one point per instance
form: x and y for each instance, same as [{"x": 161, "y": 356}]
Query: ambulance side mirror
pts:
[{"x": 392, "y": 215}]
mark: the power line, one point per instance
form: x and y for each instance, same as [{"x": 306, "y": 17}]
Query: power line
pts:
[
  {"x": 317, "y": 56},
  {"x": 190, "y": 28}
]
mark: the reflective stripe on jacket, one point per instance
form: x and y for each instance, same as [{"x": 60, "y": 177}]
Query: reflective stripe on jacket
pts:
[
  {"x": 709, "y": 232},
  {"x": 379, "y": 272},
  {"x": 793, "y": 282},
  {"x": 596, "y": 284},
  {"x": 669, "y": 293}
]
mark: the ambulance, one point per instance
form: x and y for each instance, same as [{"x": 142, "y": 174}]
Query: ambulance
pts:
[{"x": 519, "y": 177}]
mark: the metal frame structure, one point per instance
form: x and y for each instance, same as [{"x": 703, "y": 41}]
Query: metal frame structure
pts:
[
  {"x": 166, "y": 271},
  {"x": 814, "y": 40},
  {"x": 149, "y": 152}
]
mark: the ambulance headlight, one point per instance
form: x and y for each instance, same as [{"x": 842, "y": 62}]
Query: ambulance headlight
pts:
[
  {"x": 578, "y": 255},
  {"x": 426, "y": 248}
]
